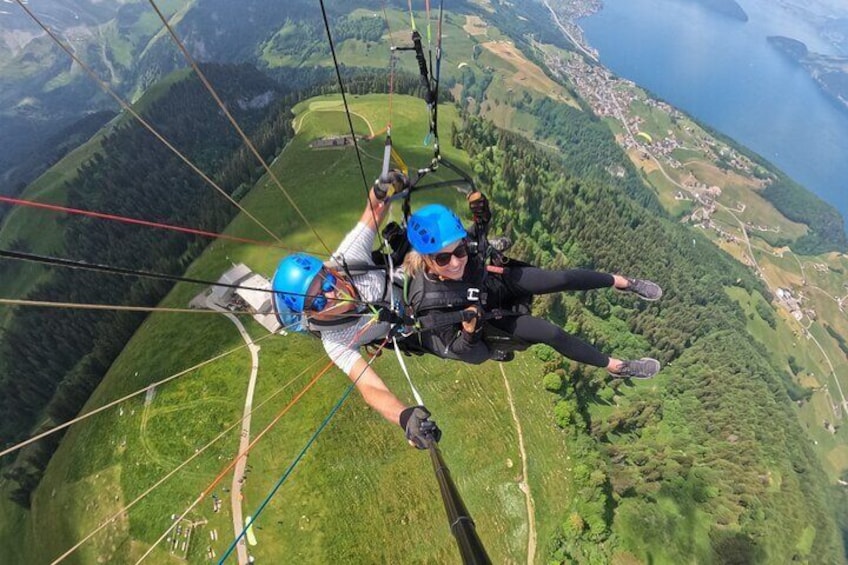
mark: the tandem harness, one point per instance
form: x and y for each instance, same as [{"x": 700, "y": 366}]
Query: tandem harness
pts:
[{"x": 434, "y": 297}]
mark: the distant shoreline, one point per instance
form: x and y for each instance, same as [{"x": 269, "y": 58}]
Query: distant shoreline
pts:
[
  {"x": 759, "y": 158},
  {"x": 729, "y": 8},
  {"x": 830, "y": 73}
]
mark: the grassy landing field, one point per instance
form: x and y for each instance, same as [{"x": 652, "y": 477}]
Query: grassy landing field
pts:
[
  {"x": 470, "y": 48},
  {"x": 360, "y": 494}
]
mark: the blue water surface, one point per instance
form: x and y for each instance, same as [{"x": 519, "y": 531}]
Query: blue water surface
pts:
[{"x": 724, "y": 73}]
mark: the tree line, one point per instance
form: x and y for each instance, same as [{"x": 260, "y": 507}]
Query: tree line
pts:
[{"x": 827, "y": 230}]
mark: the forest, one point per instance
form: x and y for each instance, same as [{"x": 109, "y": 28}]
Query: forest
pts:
[
  {"x": 714, "y": 465},
  {"x": 46, "y": 379},
  {"x": 50, "y": 152},
  {"x": 827, "y": 230}
]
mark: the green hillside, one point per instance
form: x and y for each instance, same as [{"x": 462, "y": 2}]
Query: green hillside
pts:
[
  {"x": 46, "y": 376},
  {"x": 729, "y": 455},
  {"x": 359, "y": 459}
]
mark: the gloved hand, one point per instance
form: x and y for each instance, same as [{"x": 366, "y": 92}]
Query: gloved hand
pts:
[
  {"x": 479, "y": 205},
  {"x": 391, "y": 183},
  {"x": 471, "y": 319},
  {"x": 419, "y": 429}
]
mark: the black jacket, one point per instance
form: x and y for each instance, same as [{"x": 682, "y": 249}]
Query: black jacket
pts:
[{"x": 428, "y": 295}]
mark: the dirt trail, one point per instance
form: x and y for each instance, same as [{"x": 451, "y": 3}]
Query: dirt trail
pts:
[{"x": 523, "y": 485}]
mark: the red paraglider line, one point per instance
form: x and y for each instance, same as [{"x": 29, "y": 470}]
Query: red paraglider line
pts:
[{"x": 126, "y": 220}]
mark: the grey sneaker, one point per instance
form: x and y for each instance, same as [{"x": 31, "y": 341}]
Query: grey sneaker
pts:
[
  {"x": 644, "y": 289},
  {"x": 644, "y": 368}
]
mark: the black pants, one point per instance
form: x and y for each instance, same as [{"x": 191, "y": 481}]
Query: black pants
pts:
[{"x": 521, "y": 282}]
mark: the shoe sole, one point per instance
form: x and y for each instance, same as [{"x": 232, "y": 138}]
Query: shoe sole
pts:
[
  {"x": 620, "y": 376},
  {"x": 659, "y": 367},
  {"x": 645, "y": 298}
]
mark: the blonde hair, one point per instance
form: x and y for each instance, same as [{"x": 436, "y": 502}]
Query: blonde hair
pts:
[{"x": 414, "y": 263}]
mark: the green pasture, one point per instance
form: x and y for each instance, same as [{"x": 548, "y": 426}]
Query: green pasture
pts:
[
  {"x": 684, "y": 155},
  {"x": 782, "y": 271},
  {"x": 14, "y": 528},
  {"x": 500, "y": 108},
  {"x": 121, "y": 47},
  {"x": 666, "y": 191},
  {"x": 813, "y": 285},
  {"x": 757, "y": 211},
  {"x": 359, "y": 494},
  {"x": 614, "y": 125},
  {"x": 833, "y": 279},
  {"x": 785, "y": 341},
  {"x": 458, "y": 48},
  {"x": 656, "y": 123},
  {"x": 457, "y": 45}
]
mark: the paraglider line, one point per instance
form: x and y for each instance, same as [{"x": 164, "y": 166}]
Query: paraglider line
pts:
[
  {"x": 123, "y": 399},
  {"x": 344, "y": 95},
  {"x": 135, "y": 221},
  {"x": 234, "y": 123},
  {"x": 83, "y": 265},
  {"x": 232, "y": 464},
  {"x": 158, "y": 483}
]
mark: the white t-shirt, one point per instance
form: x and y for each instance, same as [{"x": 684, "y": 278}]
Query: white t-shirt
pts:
[{"x": 339, "y": 344}]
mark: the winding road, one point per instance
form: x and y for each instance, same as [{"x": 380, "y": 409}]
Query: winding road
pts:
[
  {"x": 568, "y": 35},
  {"x": 244, "y": 441}
]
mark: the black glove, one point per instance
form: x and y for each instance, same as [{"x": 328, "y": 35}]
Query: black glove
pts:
[
  {"x": 479, "y": 205},
  {"x": 419, "y": 429},
  {"x": 474, "y": 312},
  {"x": 392, "y": 182}
]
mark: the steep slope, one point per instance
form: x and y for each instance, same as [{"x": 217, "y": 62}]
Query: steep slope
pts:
[{"x": 47, "y": 377}]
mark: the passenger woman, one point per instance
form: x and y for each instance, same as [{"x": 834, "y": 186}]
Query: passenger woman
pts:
[{"x": 447, "y": 276}]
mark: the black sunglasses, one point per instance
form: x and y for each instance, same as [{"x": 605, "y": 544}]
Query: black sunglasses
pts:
[{"x": 442, "y": 259}]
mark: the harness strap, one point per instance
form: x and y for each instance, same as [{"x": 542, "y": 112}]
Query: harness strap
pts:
[{"x": 441, "y": 319}]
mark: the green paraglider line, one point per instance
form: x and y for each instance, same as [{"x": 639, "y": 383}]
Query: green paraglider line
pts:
[{"x": 294, "y": 463}]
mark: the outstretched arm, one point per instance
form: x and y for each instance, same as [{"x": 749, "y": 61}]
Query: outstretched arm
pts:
[
  {"x": 414, "y": 420},
  {"x": 375, "y": 392}
]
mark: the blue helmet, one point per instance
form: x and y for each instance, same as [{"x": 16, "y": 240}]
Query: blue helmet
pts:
[
  {"x": 434, "y": 227},
  {"x": 291, "y": 281}
]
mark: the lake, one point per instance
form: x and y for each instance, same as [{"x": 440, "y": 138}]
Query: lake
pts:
[{"x": 724, "y": 73}]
